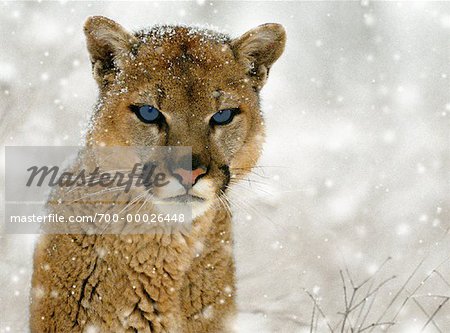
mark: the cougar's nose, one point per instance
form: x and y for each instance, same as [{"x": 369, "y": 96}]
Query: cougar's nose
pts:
[
  {"x": 189, "y": 173},
  {"x": 187, "y": 177}
]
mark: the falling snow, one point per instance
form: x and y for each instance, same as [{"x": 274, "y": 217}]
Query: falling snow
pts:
[{"x": 356, "y": 162}]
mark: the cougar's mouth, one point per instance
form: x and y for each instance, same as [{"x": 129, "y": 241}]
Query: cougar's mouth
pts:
[{"x": 185, "y": 198}]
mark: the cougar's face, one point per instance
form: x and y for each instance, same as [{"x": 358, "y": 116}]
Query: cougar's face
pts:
[{"x": 184, "y": 89}]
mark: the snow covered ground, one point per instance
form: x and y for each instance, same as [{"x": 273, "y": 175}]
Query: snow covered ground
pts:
[{"x": 356, "y": 168}]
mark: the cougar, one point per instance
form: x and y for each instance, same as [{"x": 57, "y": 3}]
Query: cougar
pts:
[{"x": 175, "y": 86}]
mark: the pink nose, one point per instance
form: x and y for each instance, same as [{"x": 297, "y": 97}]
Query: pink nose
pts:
[{"x": 188, "y": 177}]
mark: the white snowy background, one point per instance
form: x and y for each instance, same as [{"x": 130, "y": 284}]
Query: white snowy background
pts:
[{"x": 356, "y": 168}]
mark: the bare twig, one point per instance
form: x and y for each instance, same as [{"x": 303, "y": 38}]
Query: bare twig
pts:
[
  {"x": 435, "y": 313},
  {"x": 402, "y": 288},
  {"x": 313, "y": 316},
  {"x": 425, "y": 312},
  {"x": 372, "y": 326},
  {"x": 320, "y": 310},
  {"x": 420, "y": 285}
]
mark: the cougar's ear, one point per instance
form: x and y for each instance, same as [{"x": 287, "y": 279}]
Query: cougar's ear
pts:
[
  {"x": 107, "y": 43},
  {"x": 258, "y": 49}
]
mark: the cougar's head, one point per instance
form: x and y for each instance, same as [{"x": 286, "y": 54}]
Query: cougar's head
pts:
[{"x": 184, "y": 86}]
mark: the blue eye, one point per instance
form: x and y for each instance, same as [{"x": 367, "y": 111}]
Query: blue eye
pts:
[
  {"x": 223, "y": 117},
  {"x": 146, "y": 113}
]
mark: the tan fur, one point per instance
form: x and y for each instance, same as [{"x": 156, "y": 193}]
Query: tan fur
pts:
[{"x": 179, "y": 282}]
